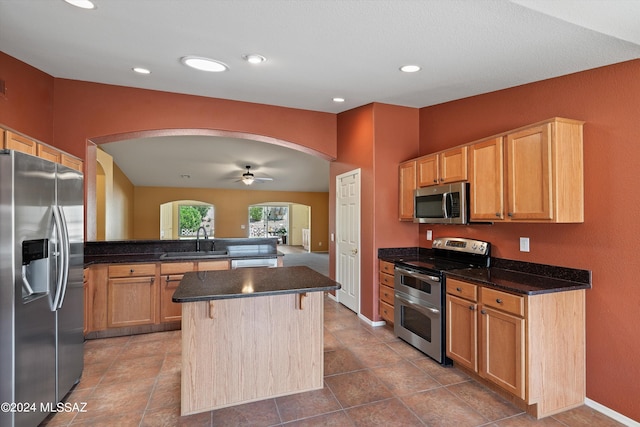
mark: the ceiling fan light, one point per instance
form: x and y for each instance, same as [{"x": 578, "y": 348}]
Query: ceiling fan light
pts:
[{"x": 247, "y": 180}]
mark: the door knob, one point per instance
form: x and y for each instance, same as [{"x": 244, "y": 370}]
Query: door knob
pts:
[{"x": 354, "y": 251}]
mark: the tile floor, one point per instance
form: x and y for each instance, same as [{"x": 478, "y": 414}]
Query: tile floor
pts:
[{"x": 371, "y": 379}]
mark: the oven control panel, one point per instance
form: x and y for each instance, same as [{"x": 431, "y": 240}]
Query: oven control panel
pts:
[{"x": 459, "y": 244}]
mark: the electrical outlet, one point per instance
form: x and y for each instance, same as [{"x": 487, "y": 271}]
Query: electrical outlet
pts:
[
  {"x": 524, "y": 244},
  {"x": 429, "y": 235}
]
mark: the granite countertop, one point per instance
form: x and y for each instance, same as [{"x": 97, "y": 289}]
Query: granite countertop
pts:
[
  {"x": 140, "y": 251},
  {"x": 250, "y": 282},
  {"x": 518, "y": 277},
  {"x": 515, "y": 281},
  {"x": 156, "y": 257}
]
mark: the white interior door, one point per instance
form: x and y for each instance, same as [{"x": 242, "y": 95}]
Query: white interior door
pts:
[{"x": 348, "y": 239}]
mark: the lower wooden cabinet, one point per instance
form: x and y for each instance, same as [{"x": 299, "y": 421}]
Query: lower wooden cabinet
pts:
[
  {"x": 132, "y": 295},
  {"x": 137, "y": 296},
  {"x": 530, "y": 346},
  {"x": 462, "y": 332},
  {"x": 386, "y": 291},
  {"x": 87, "y": 305},
  {"x": 170, "y": 276}
]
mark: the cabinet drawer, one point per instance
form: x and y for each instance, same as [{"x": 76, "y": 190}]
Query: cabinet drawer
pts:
[
  {"x": 212, "y": 265},
  {"x": 386, "y": 279},
  {"x": 175, "y": 267},
  {"x": 386, "y": 267},
  {"x": 462, "y": 289},
  {"x": 386, "y": 294},
  {"x": 503, "y": 301},
  {"x": 132, "y": 270},
  {"x": 386, "y": 312}
]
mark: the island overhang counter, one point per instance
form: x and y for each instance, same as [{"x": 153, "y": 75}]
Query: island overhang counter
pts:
[{"x": 250, "y": 334}]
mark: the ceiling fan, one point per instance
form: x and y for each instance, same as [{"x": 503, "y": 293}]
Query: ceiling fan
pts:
[{"x": 249, "y": 178}]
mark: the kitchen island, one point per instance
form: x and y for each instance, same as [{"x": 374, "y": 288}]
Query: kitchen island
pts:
[{"x": 250, "y": 334}]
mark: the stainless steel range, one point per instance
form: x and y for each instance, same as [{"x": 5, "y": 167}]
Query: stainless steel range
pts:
[{"x": 420, "y": 290}]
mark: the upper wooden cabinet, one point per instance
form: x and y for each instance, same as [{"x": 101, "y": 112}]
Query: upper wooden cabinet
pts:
[
  {"x": 13, "y": 141},
  {"x": 441, "y": 168},
  {"x": 532, "y": 174},
  {"x": 486, "y": 175},
  {"x": 16, "y": 142},
  {"x": 71, "y": 162},
  {"x": 49, "y": 153},
  {"x": 407, "y": 185}
]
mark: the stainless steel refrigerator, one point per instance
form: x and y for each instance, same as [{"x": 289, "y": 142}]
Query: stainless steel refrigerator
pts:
[{"x": 41, "y": 286}]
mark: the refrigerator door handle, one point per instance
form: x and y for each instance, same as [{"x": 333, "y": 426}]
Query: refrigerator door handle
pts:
[
  {"x": 61, "y": 281},
  {"x": 67, "y": 255}
]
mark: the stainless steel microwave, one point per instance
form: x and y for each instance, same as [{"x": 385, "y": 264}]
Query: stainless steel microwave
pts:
[{"x": 442, "y": 204}]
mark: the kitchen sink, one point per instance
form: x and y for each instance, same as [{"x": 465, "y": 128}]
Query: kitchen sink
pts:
[{"x": 194, "y": 254}]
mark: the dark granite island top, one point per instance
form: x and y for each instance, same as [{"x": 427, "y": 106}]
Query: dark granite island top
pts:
[{"x": 250, "y": 282}]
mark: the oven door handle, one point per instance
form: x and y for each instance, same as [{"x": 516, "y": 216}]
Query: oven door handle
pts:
[
  {"x": 417, "y": 275},
  {"x": 418, "y": 307}
]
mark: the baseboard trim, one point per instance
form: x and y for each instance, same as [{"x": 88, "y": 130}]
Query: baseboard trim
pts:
[
  {"x": 371, "y": 322},
  {"x": 611, "y": 413}
]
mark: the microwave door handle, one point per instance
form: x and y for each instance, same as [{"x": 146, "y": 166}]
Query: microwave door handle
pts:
[{"x": 445, "y": 205}]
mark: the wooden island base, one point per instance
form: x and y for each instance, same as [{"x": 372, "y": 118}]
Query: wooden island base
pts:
[{"x": 241, "y": 350}]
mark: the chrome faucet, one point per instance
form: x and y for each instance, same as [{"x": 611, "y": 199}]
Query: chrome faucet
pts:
[{"x": 198, "y": 237}]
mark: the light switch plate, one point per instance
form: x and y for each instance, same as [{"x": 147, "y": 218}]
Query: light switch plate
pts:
[
  {"x": 524, "y": 244},
  {"x": 429, "y": 235}
]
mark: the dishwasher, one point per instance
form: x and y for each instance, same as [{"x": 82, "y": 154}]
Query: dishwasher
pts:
[{"x": 254, "y": 262}]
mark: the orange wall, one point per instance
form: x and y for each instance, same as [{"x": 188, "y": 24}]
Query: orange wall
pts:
[
  {"x": 375, "y": 138},
  {"x": 28, "y": 105},
  {"x": 100, "y": 112},
  {"x": 608, "y": 100},
  {"x": 231, "y": 210}
]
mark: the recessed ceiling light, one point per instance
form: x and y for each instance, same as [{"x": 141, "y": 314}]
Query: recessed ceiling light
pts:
[
  {"x": 338, "y": 99},
  {"x": 141, "y": 70},
  {"x": 84, "y": 4},
  {"x": 204, "y": 64},
  {"x": 410, "y": 68},
  {"x": 254, "y": 58}
]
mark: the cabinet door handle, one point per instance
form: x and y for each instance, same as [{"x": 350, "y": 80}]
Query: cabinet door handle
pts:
[
  {"x": 483, "y": 312},
  {"x": 131, "y": 271},
  {"x": 471, "y": 308},
  {"x": 510, "y": 214},
  {"x": 498, "y": 300},
  {"x": 459, "y": 289},
  {"x": 435, "y": 180},
  {"x": 498, "y": 214}
]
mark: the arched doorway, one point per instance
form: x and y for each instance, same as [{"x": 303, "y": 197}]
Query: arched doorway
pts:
[{"x": 140, "y": 222}]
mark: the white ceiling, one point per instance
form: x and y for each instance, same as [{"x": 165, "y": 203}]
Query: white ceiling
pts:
[
  {"x": 319, "y": 49},
  {"x": 216, "y": 162}
]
